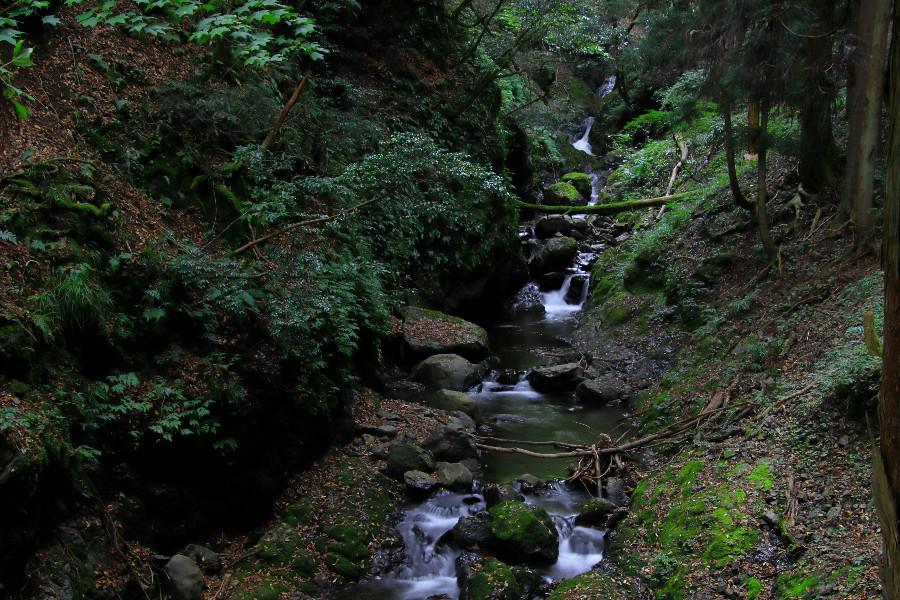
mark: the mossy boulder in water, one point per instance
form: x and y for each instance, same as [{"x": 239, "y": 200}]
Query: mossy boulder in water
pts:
[
  {"x": 427, "y": 332},
  {"x": 524, "y": 533},
  {"x": 563, "y": 194},
  {"x": 454, "y": 476},
  {"x": 491, "y": 579},
  {"x": 595, "y": 512},
  {"x": 581, "y": 182},
  {"x": 448, "y": 372}
]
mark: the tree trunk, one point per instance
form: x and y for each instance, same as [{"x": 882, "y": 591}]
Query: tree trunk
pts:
[
  {"x": 753, "y": 126},
  {"x": 816, "y": 166},
  {"x": 762, "y": 196},
  {"x": 611, "y": 208},
  {"x": 736, "y": 193},
  {"x": 868, "y": 59},
  {"x": 886, "y": 464}
]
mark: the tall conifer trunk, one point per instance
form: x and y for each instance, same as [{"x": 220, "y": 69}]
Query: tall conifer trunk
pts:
[
  {"x": 816, "y": 166},
  {"x": 868, "y": 57}
]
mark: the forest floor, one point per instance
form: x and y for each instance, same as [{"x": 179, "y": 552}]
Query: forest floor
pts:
[{"x": 770, "y": 497}]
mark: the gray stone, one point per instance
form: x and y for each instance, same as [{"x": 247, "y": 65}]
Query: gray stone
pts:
[
  {"x": 547, "y": 227},
  {"x": 381, "y": 430},
  {"x": 530, "y": 484},
  {"x": 448, "y": 371},
  {"x": 615, "y": 491},
  {"x": 555, "y": 255},
  {"x": 495, "y": 493},
  {"x": 451, "y": 445},
  {"x": 451, "y": 401},
  {"x": 595, "y": 512},
  {"x": 419, "y": 483},
  {"x": 454, "y": 476},
  {"x": 208, "y": 560},
  {"x": 551, "y": 281},
  {"x": 600, "y": 390},
  {"x": 462, "y": 421},
  {"x": 407, "y": 455},
  {"x": 427, "y": 332},
  {"x": 184, "y": 579},
  {"x": 472, "y": 530},
  {"x": 556, "y": 378}
]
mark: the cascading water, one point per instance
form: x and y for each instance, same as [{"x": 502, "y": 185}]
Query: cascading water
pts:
[{"x": 584, "y": 143}]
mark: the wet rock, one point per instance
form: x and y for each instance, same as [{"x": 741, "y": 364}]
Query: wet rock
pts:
[
  {"x": 473, "y": 465},
  {"x": 495, "y": 493},
  {"x": 615, "y": 491},
  {"x": 595, "y": 512},
  {"x": 529, "y": 302},
  {"x": 564, "y": 194},
  {"x": 616, "y": 517},
  {"x": 454, "y": 476},
  {"x": 529, "y": 484},
  {"x": 508, "y": 377},
  {"x": 523, "y": 533},
  {"x": 450, "y": 445},
  {"x": 551, "y": 281},
  {"x": 183, "y": 578},
  {"x": 380, "y": 451},
  {"x": 419, "y": 483},
  {"x": 462, "y": 421},
  {"x": 547, "y": 227},
  {"x": 407, "y": 455},
  {"x": 555, "y": 255},
  {"x": 208, "y": 560},
  {"x": 451, "y": 400},
  {"x": 447, "y": 371},
  {"x": 471, "y": 531},
  {"x": 490, "y": 579},
  {"x": 601, "y": 390},
  {"x": 556, "y": 378},
  {"x": 577, "y": 285},
  {"x": 427, "y": 332}
]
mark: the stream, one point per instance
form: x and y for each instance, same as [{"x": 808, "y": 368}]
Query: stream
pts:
[{"x": 514, "y": 410}]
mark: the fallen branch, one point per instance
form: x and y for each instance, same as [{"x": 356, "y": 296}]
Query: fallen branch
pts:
[
  {"x": 682, "y": 145},
  {"x": 293, "y": 226},
  {"x": 284, "y": 113},
  {"x": 603, "y": 209}
]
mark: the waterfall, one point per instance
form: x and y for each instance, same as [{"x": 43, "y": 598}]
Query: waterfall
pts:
[
  {"x": 584, "y": 144},
  {"x": 609, "y": 84}
]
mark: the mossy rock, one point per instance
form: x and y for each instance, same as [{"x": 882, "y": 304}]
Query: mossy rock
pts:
[
  {"x": 644, "y": 275},
  {"x": 564, "y": 194},
  {"x": 282, "y": 546},
  {"x": 524, "y": 532},
  {"x": 581, "y": 182},
  {"x": 594, "y": 586},
  {"x": 491, "y": 580}
]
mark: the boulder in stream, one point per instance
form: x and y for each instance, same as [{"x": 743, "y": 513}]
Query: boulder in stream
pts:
[
  {"x": 594, "y": 512},
  {"x": 556, "y": 254},
  {"x": 529, "y": 302},
  {"x": 556, "y": 378},
  {"x": 577, "y": 285},
  {"x": 524, "y": 533},
  {"x": 454, "y": 476},
  {"x": 581, "y": 181},
  {"x": 448, "y": 371},
  {"x": 450, "y": 444},
  {"x": 452, "y": 401},
  {"x": 549, "y": 282},
  {"x": 482, "y": 578},
  {"x": 471, "y": 530},
  {"x": 547, "y": 227},
  {"x": 498, "y": 493},
  {"x": 406, "y": 455},
  {"x": 564, "y": 194},
  {"x": 426, "y": 332},
  {"x": 419, "y": 483},
  {"x": 600, "y": 390}
]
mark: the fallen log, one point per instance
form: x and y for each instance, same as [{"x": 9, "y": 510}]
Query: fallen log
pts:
[{"x": 612, "y": 208}]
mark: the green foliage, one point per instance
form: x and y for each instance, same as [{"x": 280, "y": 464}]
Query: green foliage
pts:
[
  {"x": 74, "y": 301},
  {"x": 436, "y": 214}
]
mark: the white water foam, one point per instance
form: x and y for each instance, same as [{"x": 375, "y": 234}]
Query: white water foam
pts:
[{"x": 584, "y": 144}]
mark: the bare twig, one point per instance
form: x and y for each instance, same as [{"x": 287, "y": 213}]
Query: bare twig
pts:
[{"x": 284, "y": 113}]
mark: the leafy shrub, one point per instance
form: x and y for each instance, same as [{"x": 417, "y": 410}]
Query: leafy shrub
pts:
[
  {"x": 437, "y": 216},
  {"x": 73, "y": 302}
]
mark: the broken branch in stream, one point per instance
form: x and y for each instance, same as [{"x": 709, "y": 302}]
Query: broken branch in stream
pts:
[{"x": 611, "y": 208}]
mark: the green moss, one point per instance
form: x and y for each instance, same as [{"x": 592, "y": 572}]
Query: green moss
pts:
[
  {"x": 615, "y": 312},
  {"x": 522, "y": 524},
  {"x": 591, "y": 585},
  {"x": 728, "y": 543},
  {"x": 795, "y": 586},
  {"x": 762, "y": 476},
  {"x": 266, "y": 589},
  {"x": 581, "y": 181},
  {"x": 493, "y": 580},
  {"x": 754, "y": 588},
  {"x": 681, "y": 527},
  {"x": 602, "y": 287},
  {"x": 563, "y": 194},
  {"x": 283, "y": 546},
  {"x": 298, "y": 513},
  {"x": 687, "y": 476}
]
